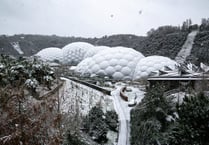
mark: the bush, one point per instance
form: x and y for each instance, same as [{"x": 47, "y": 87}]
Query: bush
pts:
[
  {"x": 200, "y": 48},
  {"x": 112, "y": 120},
  {"x": 192, "y": 127},
  {"x": 148, "y": 120},
  {"x": 95, "y": 125},
  {"x": 73, "y": 139},
  {"x": 26, "y": 119}
]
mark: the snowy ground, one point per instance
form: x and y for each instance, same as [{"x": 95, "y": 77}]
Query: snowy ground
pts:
[
  {"x": 123, "y": 111},
  {"x": 76, "y": 96},
  {"x": 186, "y": 48},
  {"x": 16, "y": 46}
]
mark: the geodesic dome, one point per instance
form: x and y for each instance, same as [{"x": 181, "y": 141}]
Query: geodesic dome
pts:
[
  {"x": 82, "y": 67},
  {"x": 95, "y": 50},
  {"x": 117, "y": 63},
  {"x": 151, "y": 64},
  {"x": 50, "y": 54},
  {"x": 73, "y": 53}
]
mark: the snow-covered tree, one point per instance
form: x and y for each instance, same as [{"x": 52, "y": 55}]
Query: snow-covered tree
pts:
[{"x": 25, "y": 117}]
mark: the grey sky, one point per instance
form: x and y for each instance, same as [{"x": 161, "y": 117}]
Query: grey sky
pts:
[{"x": 96, "y": 18}]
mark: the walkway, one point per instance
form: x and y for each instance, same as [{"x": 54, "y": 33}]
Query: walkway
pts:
[{"x": 123, "y": 111}]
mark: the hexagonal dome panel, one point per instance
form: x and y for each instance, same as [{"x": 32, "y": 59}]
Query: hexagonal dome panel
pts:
[
  {"x": 73, "y": 53},
  {"x": 50, "y": 54},
  {"x": 117, "y": 63},
  {"x": 95, "y": 50},
  {"x": 151, "y": 64},
  {"x": 82, "y": 67}
]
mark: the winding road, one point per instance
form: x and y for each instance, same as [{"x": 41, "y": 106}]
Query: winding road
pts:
[{"x": 123, "y": 112}]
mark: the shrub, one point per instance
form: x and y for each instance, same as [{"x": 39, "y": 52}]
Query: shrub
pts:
[
  {"x": 148, "y": 120},
  {"x": 24, "y": 118},
  {"x": 73, "y": 139},
  {"x": 200, "y": 49},
  {"x": 95, "y": 125},
  {"x": 112, "y": 120},
  {"x": 192, "y": 126}
]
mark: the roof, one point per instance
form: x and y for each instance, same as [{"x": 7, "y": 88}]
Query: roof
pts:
[{"x": 178, "y": 78}]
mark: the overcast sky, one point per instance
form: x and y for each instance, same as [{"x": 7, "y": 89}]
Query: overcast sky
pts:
[{"x": 96, "y": 18}]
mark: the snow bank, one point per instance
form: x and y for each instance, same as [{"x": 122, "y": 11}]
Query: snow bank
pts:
[{"x": 78, "y": 97}]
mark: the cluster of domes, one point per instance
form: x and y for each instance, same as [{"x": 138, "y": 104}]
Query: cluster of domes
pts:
[
  {"x": 119, "y": 63},
  {"x": 70, "y": 54}
]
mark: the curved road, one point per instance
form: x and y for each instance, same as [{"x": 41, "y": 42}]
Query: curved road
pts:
[{"x": 123, "y": 112}]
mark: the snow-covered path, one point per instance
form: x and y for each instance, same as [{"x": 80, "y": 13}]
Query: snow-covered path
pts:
[
  {"x": 124, "y": 117},
  {"x": 186, "y": 48},
  {"x": 123, "y": 111}
]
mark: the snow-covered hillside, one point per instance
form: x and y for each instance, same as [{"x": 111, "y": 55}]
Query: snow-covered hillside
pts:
[
  {"x": 16, "y": 46},
  {"x": 186, "y": 48},
  {"x": 78, "y": 96}
]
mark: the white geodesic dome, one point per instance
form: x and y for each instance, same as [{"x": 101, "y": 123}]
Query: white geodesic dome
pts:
[
  {"x": 73, "y": 53},
  {"x": 95, "y": 50},
  {"x": 117, "y": 63},
  {"x": 151, "y": 64},
  {"x": 50, "y": 54},
  {"x": 82, "y": 67}
]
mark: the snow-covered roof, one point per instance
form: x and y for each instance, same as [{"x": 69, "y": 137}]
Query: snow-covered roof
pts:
[
  {"x": 74, "y": 53},
  {"x": 117, "y": 63},
  {"x": 50, "y": 54},
  {"x": 151, "y": 64}
]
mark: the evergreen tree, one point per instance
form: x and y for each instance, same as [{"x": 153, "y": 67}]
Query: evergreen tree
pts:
[{"x": 192, "y": 126}]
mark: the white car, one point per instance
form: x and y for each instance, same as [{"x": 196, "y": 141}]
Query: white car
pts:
[{"x": 132, "y": 102}]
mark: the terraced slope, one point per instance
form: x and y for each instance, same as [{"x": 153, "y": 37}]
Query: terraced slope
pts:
[
  {"x": 200, "y": 50},
  {"x": 186, "y": 48}
]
